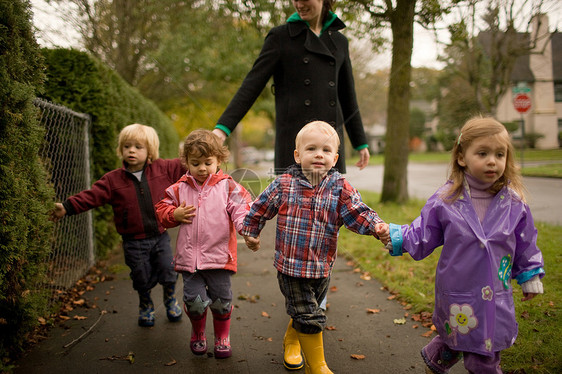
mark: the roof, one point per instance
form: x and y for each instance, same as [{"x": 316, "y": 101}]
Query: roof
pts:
[{"x": 521, "y": 70}]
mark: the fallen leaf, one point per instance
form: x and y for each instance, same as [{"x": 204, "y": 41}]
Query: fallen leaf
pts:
[
  {"x": 331, "y": 328},
  {"x": 358, "y": 357},
  {"x": 525, "y": 315},
  {"x": 64, "y": 318},
  {"x": 427, "y": 334},
  {"x": 269, "y": 339},
  {"x": 350, "y": 263},
  {"x": 79, "y": 302},
  {"x": 365, "y": 276},
  {"x": 400, "y": 321},
  {"x": 333, "y": 289},
  {"x": 391, "y": 297},
  {"x": 415, "y": 326},
  {"x": 433, "y": 328},
  {"x": 373, "y": 311},
  {"x": 171, "y": 363},
  {"x": 79, "y": 318},
  {"x": 264, "y": 314},
  {"x": 42, "y": 320}
]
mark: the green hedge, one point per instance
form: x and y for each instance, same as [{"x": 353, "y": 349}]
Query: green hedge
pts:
[
  {"x": 84, "y": 84},
  {"x": 25, "y": 198}
]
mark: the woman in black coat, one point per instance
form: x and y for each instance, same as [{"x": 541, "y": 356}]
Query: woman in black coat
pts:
[{"x": 309, "y": 60}]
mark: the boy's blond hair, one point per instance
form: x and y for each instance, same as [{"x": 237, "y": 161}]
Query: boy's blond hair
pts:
[
  {"x": 203, "y": 143},
  {"x": 321, "y": 126},
  {"x": 478, "y": 127},
  {"x": 140, "y": 133}
]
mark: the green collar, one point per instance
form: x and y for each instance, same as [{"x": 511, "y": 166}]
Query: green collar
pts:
[{"x": 331, "y": 18}]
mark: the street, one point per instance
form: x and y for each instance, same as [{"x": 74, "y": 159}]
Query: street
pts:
[{"x": 424, "y": 179}]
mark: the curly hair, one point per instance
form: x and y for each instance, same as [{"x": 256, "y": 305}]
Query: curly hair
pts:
[{"x": 203, "y": 143}]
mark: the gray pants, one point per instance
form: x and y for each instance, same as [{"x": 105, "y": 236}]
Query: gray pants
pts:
[
  {"x": 207, "y": 288},
  {"x": 303, "y": 297}
]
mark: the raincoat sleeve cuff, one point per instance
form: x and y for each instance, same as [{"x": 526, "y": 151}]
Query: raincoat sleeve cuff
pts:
[
  {"x": 395, "y": 239},
  {"x": 526, "y": 276}
]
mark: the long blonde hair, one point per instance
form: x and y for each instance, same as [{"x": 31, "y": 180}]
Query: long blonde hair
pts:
[{"x": 474, "y": 128}]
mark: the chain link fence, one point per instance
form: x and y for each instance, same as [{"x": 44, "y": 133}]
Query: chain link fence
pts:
[{"x": 66, "y": 155}]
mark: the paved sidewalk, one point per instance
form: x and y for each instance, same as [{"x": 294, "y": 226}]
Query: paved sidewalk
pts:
[{"x": 258, "y": 325}]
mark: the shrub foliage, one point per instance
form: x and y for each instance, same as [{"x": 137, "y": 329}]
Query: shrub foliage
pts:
[{"x": 25, "y": 197}]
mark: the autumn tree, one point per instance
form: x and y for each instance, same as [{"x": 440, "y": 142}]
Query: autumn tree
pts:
[{"x": 399, "y": 16}]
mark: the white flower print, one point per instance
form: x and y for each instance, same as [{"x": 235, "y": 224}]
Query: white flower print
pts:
[
  {"x": 488, "y": 343},
  {"x": 461, "y": 318},
  {"x": 487, "y": 293}
]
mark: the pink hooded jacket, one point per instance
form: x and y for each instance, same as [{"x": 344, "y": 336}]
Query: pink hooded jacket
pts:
[{"x": 209, "y": 242}]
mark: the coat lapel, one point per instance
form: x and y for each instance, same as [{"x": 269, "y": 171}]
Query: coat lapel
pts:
[{"x": 312, "y": 43}]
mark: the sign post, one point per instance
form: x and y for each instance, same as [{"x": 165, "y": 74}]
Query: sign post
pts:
[{"x": 522, "y": 104}]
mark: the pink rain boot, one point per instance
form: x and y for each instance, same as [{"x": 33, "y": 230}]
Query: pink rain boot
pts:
[
  {"x": 221, "y": 324},
  {"x": 198, "y": 343}
]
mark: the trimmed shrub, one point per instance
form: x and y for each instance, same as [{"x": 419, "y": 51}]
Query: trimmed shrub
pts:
[
  {"x": 25, "y": 197},
  {"x": 84, "y": 84}
]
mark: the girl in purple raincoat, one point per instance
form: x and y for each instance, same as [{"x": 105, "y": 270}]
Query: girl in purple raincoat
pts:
[{"x": 488, "y": 236}]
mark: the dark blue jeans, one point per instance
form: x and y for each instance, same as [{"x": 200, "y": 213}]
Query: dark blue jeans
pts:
[{"x": 150, "y": 261}]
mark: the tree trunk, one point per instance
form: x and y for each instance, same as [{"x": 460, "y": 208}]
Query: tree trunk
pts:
[{"x": 395, "y": 182}]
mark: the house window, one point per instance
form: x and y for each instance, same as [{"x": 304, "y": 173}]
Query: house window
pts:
[{"x": 558, "y": 92}]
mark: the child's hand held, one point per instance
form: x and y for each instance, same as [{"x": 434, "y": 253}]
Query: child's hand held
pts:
[
  {"x": 252, "y": 243},
  {"x": 383, "y": 232}
]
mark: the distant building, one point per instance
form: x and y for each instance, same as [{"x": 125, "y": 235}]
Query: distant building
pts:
[{"x": 541, "y": 72}]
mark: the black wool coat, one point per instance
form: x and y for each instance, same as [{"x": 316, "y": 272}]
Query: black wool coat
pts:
[{"x": 312, "y": 79}]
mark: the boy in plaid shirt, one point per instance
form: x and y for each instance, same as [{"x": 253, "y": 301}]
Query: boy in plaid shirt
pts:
[{"x": 312, "y": 201}]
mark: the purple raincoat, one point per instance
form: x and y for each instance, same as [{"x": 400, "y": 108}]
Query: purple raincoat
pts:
[{"x": 474, "y": 309}]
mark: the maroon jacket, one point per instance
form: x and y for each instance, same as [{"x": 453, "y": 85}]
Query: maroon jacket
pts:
[{"x": 132, "y": 201}]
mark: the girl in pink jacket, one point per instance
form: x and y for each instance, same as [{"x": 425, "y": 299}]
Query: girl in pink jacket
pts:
[{"x": 210, "y": 207}]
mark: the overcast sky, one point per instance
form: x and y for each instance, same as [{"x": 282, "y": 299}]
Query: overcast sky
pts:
[{"x": 54, "y": 31}]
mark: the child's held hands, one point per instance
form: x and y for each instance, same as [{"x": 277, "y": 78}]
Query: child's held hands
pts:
[
  {"x": 383, "y": 232},
  {"x": 252, "y": 243},
  {"x": 57, "y": 213},
  {"x": 184, "y": 213}
]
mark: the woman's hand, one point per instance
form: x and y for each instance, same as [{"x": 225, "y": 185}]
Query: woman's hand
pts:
[{"x": 364, "y": 156}]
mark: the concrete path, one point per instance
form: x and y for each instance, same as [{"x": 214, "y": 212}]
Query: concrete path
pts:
[{"x": 101, "y": 343}]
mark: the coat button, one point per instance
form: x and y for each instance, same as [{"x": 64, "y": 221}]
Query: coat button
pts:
[
  {"x": 332, "y": 123},
  {"x": 332, "y": 103},
  {"x": 331, "y": 83},
  {"x": 307, "y": 82},
  {"x": 306, "y": 60},
  {"x": 332, "y": 63},
  {"x": 482, "y": 245},
  {"x": 307, "y": 102}
]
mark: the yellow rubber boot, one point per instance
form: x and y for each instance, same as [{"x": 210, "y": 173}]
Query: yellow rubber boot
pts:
[
  {"x": 313, "y": 352},
  {"x": 292, "y": 358}
]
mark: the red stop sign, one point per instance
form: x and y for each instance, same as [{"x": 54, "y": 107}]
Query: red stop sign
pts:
[{"x": 522, "y": 102}]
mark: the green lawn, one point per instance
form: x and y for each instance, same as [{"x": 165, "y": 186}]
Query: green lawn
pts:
[{"x": 538, "y": 347}]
